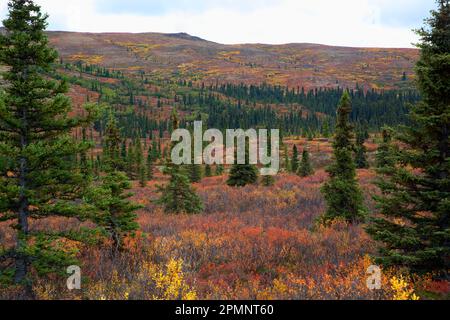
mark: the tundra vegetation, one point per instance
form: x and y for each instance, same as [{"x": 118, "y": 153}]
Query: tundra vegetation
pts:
[{"x": 86, "y": 179}]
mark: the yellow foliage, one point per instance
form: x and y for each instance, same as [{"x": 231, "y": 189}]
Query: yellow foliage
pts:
[
  {"x": 402, "y": 290},
  {"x": 90, "y": 59},
  {"x": 172, "y": 284},
  {"x": 152, "y": 282}
]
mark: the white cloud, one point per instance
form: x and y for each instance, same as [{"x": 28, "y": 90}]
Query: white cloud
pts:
[{"x": 345, "y": 22}]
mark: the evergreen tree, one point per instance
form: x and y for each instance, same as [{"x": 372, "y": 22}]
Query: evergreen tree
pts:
[
  {"x": 295, "y": 162},
  {"x": 220, "y": 170},
  {"x": 326, "y": 129},
  {"x": 152, "y": 157},
  {"x": 110, "y": 208},
  {"x": 178, "y": 196},
  {"x": 112, "y": 211},
  {"x": 153, "y": 153},
  {"x": 40, "y": 178},
  {"x": 268, "y": 180},
  {"x": 385, "y": 152},
  {"x": 414, "y": 226},
  {"x": 243, "y": 174},
  {"x": 361, "y": 151},
  {"x": 136, "y": 165},
  {"x": 305, "y": 169},
  {"x": 195, "y": 173},
  {"x": 208, "y": 171},
  {"x": 143, "y": 174},
  {"x": 342, "y": 193},
  {"x": 112, "y": 145}
]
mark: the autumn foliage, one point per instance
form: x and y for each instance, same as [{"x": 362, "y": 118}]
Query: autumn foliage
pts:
[{"x": 250, "y": 243}]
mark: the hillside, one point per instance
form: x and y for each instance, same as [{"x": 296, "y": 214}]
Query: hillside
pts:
[{"x": 181, "y": 56}]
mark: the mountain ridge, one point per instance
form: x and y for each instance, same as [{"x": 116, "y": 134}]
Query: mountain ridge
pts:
[{"x": 183, "y": 56}]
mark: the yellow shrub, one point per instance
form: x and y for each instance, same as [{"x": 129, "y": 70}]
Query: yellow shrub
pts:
[
  {"x": 402, "y": 290},
  {"x": 172, "y": 284},
  {"x": 152, "y": 282}
]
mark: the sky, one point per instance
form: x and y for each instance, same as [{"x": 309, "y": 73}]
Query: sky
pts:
[{"x": 357, "y": 23}]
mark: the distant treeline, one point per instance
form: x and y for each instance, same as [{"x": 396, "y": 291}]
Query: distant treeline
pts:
[
  {"x": 376, "y": 108},
  {"x": 295, "y": 111}
]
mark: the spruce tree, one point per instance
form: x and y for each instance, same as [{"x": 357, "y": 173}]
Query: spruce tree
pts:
[
  {"x": 143, "y": 175},
  {"x": 110, "y": 208},
  {"x": 152, "y": 158},
  {"x": 243, "y": 174},
  {"x": 305, "y": 169},
  {"x": 178, "y": 196},
  {"x": 268, "y": 180},
  {"x": 40, "y": 178},
  {"x": 385, "y": 152},
  {"x": 220, "y": 170},
  {"x": 138, "y": 161},
  {"x": 155, "y": 154},
  {"x": 208, "y": 171},
  {"x": 326, "y": 129},
  {"x": 295, "y": 162},
  {"x": 195, "y": 173},
  {"x": 361, "y": 151},
  {"x": 112, "y": 145},
  {"x": 135, "y": 163},
  {"x": 414, "y": 225},
  {"x": 342, "y": 193}
]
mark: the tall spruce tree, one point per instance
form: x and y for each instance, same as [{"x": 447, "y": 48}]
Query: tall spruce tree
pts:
[
  {"x": 342, "y": 193},
  {"x": 178, "y": 196},
  {"x": 111, "y": 210},
  {"x": 414, "y": 226},
  {"x": 306, "y": 168},
  {"x": 40, "y": 178},
  {"x": 112, "y": 144}
]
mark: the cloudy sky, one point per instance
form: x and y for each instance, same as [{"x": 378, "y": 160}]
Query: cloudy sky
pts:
[{"x": 372, "y": 23}]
